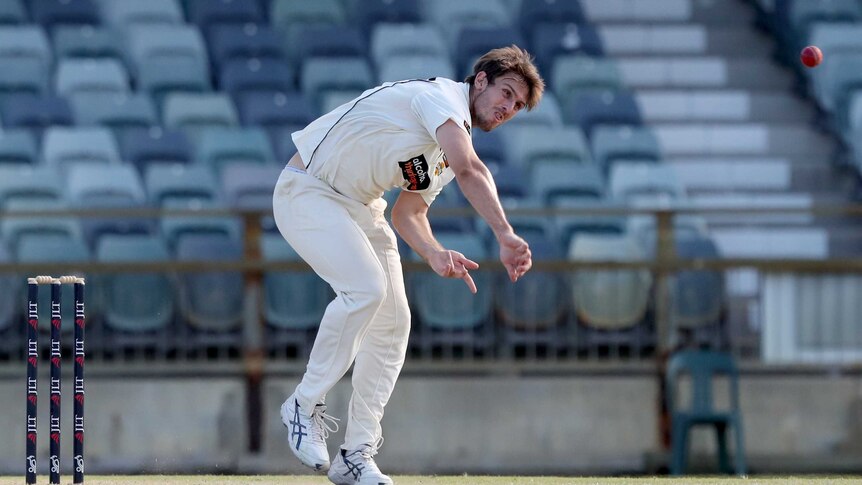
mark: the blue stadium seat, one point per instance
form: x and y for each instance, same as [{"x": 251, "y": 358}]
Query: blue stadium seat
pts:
[
  {"x": 123, "y": 14},
  {"x": 87, "y": 41},
  {"x": 546, "y": 114},
  {"x": 17, "y": 147},
  {"x": 196, "y": 112},
  {"x": 697, "y": 296},
  {"x": 572, "y": 73},
  {"x": 207, "y": 13},
  {"x": 219, "y": 148},
  {"x": 51, "y": 13},
  {"x": 549, "y": 12},
  {"x": 630, "y": 180},
  {"x": 22, "y": 76},
  {"x": 35, "y": 112},
  {"x": 367, "y": 13},
  {"x": 167, "y": 183},
  {"x": 145, "y": 146},
  {"x": 12, "y": 12},
  {"x": 551, "y": 180},
  {"x": 293, "y": 300},
  {"x": 326, "y": 41},
  {"x": 25, "y": 41},
  {"x": 210, "y": 301},
  {"x": 176, "y": 227},
  {"x": 250, "y": 185},
  {"x": 511, "y": 184},
  {"x": 228, "y": 42},
  {"x": 135, "y": 302},
  {"x": 108, "y": 186},
  {"x": 619, "y": 143},
  {"x": 532, "y": 308},
  {"x": 275, "y": 111},
  {"x": 451, "y": 16},
  {"x": 16, "y": 229},
  {"x": 182, "y": 43},
  {"x": 119, "y": 112},
  {"x": 473, "y": 42},
  {"x": 324, "y": 74},
  {"x": 448, "y": 200},
  {"x": 284, "y": 146},
  {"x": 267, "y": 75},
  {"x": 594, "y": 108},
  {"x": 571, "y": 224},
  {"x": 392, "y": 40},
  {"x": 288, "y": 14},
  {"x": 555, "y": 39},
  {"x": 62, "y": 147},
  {"x": 23, "y": 182},
  {"x": 101, "y": 76},
  {"x": 528, "y": 145}
]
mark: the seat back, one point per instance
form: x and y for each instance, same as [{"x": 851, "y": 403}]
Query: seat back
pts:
[{"x": 703, "y": 367}]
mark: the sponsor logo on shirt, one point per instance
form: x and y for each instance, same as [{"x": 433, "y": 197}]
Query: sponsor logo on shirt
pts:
[
  {"x": 441, "y": 166},
  {"x": 416, "y": 173}
]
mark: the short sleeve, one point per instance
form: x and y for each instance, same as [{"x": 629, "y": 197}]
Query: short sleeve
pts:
[{"x": 433, "y": 108}]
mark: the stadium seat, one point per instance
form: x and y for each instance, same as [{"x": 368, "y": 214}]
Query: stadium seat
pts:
[
  {"x": 630, "y": 180},
  {"x": 22, "y": 76},
  {"x": 393, "y": 40},
  {"x": 196, "y": 112},
  {"x": 325, "y": 41},
  {"x": 162, "y": 76},
  {"x": 556, "y": 39},
  {"x": 51, "y": 13},
  {"x": 399, "y": 68},
  {"x": 697, "y": 296},
  {"x": 603, "y": 107},
  {"x": 368, "y": 13},
  {"x": 293, "y": 300},
  {"x": 267, "y": 75},
  {"x": 571, "y": 73},
  {"x": 803, "y": 14},
  {"x": 16, "y": 229},
  {"x": 553, "y": 179},
  {"x": 229, "y": 42},
  {"x": 529, "y": 144},
  {"x": 17, "y": 147},
  {"x": 546, "y": 114},
  {"x": 176, "y": 227},
  {"x": 549, "y": 12},
  {"x": 108, "y": 186},
  {"x": 491, "y": 149},
  {"x": 88, "y": 42},
  {"x": 26, "y": 41},
  {"x": 166, "y": 182},
  {"x": 588, "y": 218},
  {"x": 35, "y": 112},
  {"x": 273, "y": 111},
  {"x": 207, "y": 13},
  {"x": 451, "y": 16},
  {"x": 610, "y": 304},
  {"x": 182, "y": 43},
  {"x": 119, "y": 112},
  {"x": 218, "y": 148},
  {"x": 210, "y": 301},
  {"x": 63, "y": 147},
  {"x": 324, "y": 74},
  {"x": 135, "y": 302},
  {"x": 250, "y": 186},
  {"x": 703, "y": 369},
  {"x": 284, "y": 146},
  {"x": 12, "y": 12},
  {"x": 23, "y": 182},
  {"x": 145, "y": 146},
  {"x": 101, "y": 76},
  {"x": 617, "y": 143},
  {"x": 288, "y": 14},
  {"x": 124, "y": 14}
]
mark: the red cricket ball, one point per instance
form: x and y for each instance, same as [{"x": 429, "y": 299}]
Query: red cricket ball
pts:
[{"x": 811, "y": 56}]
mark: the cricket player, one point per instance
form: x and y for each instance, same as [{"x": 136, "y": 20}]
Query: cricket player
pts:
[{"x": 414, "y": 135}]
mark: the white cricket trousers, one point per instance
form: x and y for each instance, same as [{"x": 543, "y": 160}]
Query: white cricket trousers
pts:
[{"x": 352, "y": 247}]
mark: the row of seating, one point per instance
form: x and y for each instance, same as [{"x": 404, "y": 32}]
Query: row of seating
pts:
[{"x": 212, "y": 301}]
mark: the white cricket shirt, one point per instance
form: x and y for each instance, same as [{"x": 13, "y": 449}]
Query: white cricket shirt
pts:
[{"x": 386, "y": 138}]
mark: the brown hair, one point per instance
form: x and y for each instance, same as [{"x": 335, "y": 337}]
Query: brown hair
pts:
[{"x": 497, "y": 62}]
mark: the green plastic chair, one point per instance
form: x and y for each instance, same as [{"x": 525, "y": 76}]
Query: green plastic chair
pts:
[{"x": 702, "y": 366}]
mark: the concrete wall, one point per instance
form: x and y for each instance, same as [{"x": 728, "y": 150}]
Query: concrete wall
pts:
[{"x": 573, "y": 424}]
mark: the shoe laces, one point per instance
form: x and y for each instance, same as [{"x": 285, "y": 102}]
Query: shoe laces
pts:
[
  {"x": 368, "y": 451},
  {"x": 322, "y": 424}
]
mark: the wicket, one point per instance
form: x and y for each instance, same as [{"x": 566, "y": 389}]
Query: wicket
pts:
[{"x": 56, "y": 394}]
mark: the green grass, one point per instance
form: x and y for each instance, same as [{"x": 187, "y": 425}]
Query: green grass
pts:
[{"x": 448, "y": 480}]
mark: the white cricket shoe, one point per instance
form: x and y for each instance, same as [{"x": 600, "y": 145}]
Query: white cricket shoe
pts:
[
  {"x": 308, "y": 433},
  {"x": 357, "y": 467}
]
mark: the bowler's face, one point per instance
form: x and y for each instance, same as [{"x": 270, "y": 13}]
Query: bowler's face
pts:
[{"x": 495, "y": 104}]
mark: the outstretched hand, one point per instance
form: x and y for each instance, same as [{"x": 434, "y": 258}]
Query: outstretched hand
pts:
[
  {"x": 515, "y": 255},
  {"x": 452, "y": 264}
]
